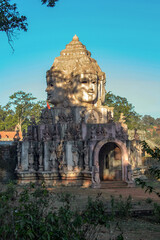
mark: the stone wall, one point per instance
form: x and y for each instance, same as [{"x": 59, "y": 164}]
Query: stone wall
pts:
[{"x": 8, "y": 160}]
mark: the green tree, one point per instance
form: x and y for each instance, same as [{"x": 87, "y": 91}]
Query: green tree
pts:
[
  {"x": 148, "y": 121},
  {"x": 157, "y": 121},
  {"x": 153, "y": 170},
  {"x": 24, "y": 108},
  {"x": 7, "y": 118},
  {"x": 11, "y": 20},
  {"x": 121, "y": 105},
  {"x": 2, "y": 118}
]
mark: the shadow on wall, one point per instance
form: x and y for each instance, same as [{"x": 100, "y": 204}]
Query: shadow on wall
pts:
[{"x": 8, "y": 160}]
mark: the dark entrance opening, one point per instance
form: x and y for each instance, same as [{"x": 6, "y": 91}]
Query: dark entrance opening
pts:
[{"x": 110, "y": 162}]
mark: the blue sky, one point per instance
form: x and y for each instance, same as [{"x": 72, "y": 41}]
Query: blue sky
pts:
[{"x": 122, "y": 35}]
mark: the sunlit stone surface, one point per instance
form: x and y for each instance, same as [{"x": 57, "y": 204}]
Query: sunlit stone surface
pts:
[
  {"x": 76, "y": 141},
  {"x": 75, "y": 78}
]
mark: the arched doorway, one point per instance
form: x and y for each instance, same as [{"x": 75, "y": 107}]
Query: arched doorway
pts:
[
  {"x": 96, "y": 168},
  {"x": 110, "y": 162}
]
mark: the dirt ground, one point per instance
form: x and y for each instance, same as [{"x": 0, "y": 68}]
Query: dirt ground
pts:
[
  {"x": 133, "y": 228},
  {"x": 137, "y": 193}
]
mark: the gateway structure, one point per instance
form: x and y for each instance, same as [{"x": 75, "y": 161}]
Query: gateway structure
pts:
[{"x": 76, "y": 141}]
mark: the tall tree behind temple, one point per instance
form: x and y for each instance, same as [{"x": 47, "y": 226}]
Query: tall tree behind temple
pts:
[
  {"x": 7, "y": 118},
  {"x": 149, "y": 121},
  {"x": 19, "y": 111},
  {"x": 121, "y": 105}
]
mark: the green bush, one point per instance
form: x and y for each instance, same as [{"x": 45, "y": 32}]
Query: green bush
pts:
[
  {"x": 157, "y": 212},
  {"x": 32, "y": 213}
]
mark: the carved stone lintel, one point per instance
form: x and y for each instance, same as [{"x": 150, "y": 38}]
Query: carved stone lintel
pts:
[{"x": 93, "y": 133}]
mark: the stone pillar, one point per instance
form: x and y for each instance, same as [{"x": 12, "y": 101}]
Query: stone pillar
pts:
[
  {"x": 69, "y": 158},
  {"x": 24, "y": 161},
  {"x": 46, "y": 156}
]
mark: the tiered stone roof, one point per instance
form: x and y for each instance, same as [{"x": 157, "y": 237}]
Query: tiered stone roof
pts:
[{"x": 76, "y": 59}]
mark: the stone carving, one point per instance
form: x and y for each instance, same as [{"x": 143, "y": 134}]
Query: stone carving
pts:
[
  {"x": 19, "y": 150},
  {"x": 121, "y": 133},
  {"x": 62, "y": 118},
  {"x": 92, "y": 118},
  {"x": 78, "y": 132},
  {"x": 70, "y": 118},
  {"x": 68, "y": 133},
  {"x": 40, "y": 156},
  {"x": 79, "y": 82},
  {"x": 85, "y": 152},
  {"x": 99, "y": 131},
  {"x": 129, "y": 173},
  {"x": 56, "y": 135},
  {"x": 46, "y": 116},
  {"x": 75, "y": 156},
  {"x": 87, "y": 88},
  {"x": 73, "y": 132},
  {"x": 93, "y": 133},
  {"x": 46, "y": 134},
  {"x": 75, "y": 128},
  {"x": 82, "y": 114},
  {"x": 109, "y": 116},
  {"x": 53, "y": 158},
  {"x": 95, "y": 175},
  {"x": 31, "y": 157},
  {"x": 105, "y": 132},
  {"x": 60, "y": 156},
  {"x": 111, "y": 137}
]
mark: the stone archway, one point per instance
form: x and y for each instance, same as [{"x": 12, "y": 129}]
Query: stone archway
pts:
[
  {"x": 110, "y": 162},
  {"x": 99, "y": 151}
]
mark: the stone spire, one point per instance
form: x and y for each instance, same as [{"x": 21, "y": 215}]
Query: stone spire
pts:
[
  {"x": 76, "y": 59},
  {"x": 75, "y": 49},
  {"x": 75, "y": 38},
  {"x": 74, "y": 66}
]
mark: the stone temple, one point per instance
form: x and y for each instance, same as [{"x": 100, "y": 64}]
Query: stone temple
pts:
[{"x": 76, "y": 141}]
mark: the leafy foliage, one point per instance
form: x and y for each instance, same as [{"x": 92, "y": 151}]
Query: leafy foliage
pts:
[
  {"x": 31, "y": 213},
  {"x": 20, "y": 110},
  {"x": 154, "y": 171},
  {"x": 157, "y": 211},
  {"x": 10, "y": 20},
  {"x": 121, "y": 105},
  {"x": 148, "y": 121},
  {"x": 50, "y": 3},
  {"x": 7, "y": 119}
]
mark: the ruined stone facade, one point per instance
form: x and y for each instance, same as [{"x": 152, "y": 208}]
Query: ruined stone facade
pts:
[{"x": 76, "y": 141}]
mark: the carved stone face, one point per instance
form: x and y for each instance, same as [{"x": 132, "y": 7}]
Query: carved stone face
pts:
[
  {"x": 86, "y": 90},
  {"x": 56, "y": 92}
]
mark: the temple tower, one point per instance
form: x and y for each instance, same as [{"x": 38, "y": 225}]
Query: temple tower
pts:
[{"x": 76, "y": 141}]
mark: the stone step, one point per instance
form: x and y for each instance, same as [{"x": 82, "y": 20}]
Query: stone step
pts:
[{"x": 113, "y": 184}]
